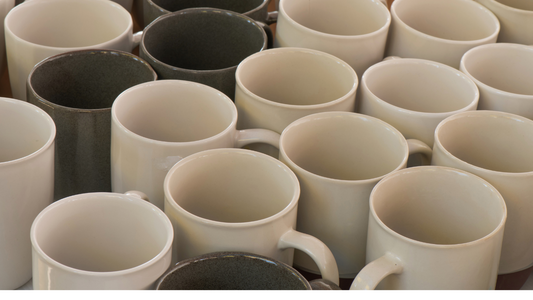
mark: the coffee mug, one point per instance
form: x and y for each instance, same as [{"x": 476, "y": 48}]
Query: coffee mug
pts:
[
  {"x": 100, "y": 241},
  {"x": 156, "y": 124},
  {"x": 36, "y": 30},
  {"x": 27, "y": 137},
  {"x": 516, "y": 20},
  {"x": 239, "y": 200},
  {"x": 203, "y": 45},
  {"x": 5, "y": 7},
  {"x": 77, "y": 89},
  {"x": 414, "y": 95},
  {"x": 497, "y": 147},
  {"x": 503, "y": 73},
  {"x": 237, "y": 271},
  {"x": 354, "y": 31},
  {"x": 438, "y": 30},
  {"x": 338, "y": 158},
  {"x": 433, "y": 228}
]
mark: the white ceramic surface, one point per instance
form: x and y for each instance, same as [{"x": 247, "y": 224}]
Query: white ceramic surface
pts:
[
  {"x": 504, "y": 75},
  {"x": 338, "y": 158},
  {"x": 100, "y": 241},
  {"x": 433, "y": 228},
  {"x": 353, "y": 30},
  {"x": 5, "y": 7},
  {"x": 35, "y": 30},
  {"x": 156, "y": 124},
  {"x": 516, "y": 19},
  {"x": 497, "y": 147},
  {"x": 27, "y": 140},
  {"x": 439, "y": 30},
  {"x": 239, "y": 200}
]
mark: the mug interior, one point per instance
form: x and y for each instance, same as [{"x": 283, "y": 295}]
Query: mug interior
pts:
[
  {"x": 174, "y": 111},
  {"x": 203, "y": 39},
  {"x": 88, "y": 79},
  {"x": 344, "y": 146},
  {"x": 65, "y": 23},
  {"x": 296, "y": 77},
  {"x": 232, "y": 186},
  {"x": 240, "y": 6},
  {"x": 506, "y": 67},
  {"x": 494, "y": 141},
  {"x": 518, "y": 4},
  {"x": 339, "y": 17},
  {"x": 457, "y": 20},
  {"x": 101, "y": 232},
  {"x": 438, "y": 205},
  {"x": 24, "y": 129},
  {"x": 421, "y": 86}
]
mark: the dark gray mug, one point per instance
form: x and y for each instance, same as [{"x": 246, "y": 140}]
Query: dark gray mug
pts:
[
  {"x": 77, "y": 90},
  {"x": 203, "y": 45}
]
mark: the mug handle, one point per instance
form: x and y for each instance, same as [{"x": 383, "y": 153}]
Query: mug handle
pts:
[
  {"x": 268, "y": 31},
  {"x": 250, "y": 136},
  {"x": 137, "y": 194},
  {"x": 416, "y": 146},
  {"x": 373, "y": 273},
  {"x": 316, "y": 249},
  {"x": 136, "y": 39}
]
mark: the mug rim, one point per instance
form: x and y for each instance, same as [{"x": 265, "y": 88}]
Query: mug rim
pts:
[
  {"x": 164, "y": 10},
  {"x": 274, "y": 51},
  {"x": 510, "y": 8}
]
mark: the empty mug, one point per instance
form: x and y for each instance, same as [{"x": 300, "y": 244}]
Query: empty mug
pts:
[{"x": 516, "y": 20}]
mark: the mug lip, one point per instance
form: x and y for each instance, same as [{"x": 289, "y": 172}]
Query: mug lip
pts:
[
  {"x": 49, "y": 142},
  {"x": 173, "y": 83},
  {"x": 483, "y": 113},
  {"x": 259, "y": 7},
  {"x": 90, "y": 51},
  {"x": 382, "y": 225},
  {"x": 330, "y": 114},
  {"x": 127, "y": 31},
  {"x": 487, "y": 39},
  {"x": 472, "y": 52},
  {"x": 293, "y": 204},
  {"x": 381, "y": 30},
  {"x": 510, "y": 8},
  {"x": 278, "y": 51},
  {"x": 225, "y": 254},
  {"x": 117, "y": 197},
  {"x": 472, "y": 105},
  {"x": 232, "y": 14}
]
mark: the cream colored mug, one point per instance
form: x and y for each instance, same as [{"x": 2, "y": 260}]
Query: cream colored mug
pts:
[{"x": 516, "y": 19}]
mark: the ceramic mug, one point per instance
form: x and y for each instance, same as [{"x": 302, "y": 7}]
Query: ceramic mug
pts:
[
  {"x": 36, "y": 30},
  {"x": 203, "y": 45},
  {"x": 78, "y": 89},
  {"x": 156, "y": 124},
  {"x": 438, "y": 30},
  {"x": 27, "y": 139},
  {"x": 100, "y": 241},
  {"x": 354, "y": 31},
  {"x": 238, "y": 200},
  {"x": 516, "y": 20},
  {"x": 338, "y": 158},
  {"x": 433, "y": 228},
  {"x": 5, "y": 7},
  {"x": 503, "y": 73}
]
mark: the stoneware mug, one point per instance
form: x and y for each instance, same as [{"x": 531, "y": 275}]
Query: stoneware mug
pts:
[
  {"x": 433, "y": 228},
  {"x": 516, "y": 20},
  {"x": 36, "y": 30},
  {"x": 27, "y": 137},
  {"x": 203, "y": 45},
  {"x": 338, "y": 158},
  {"x": 100, "y": 241},
  {"x": 156, "y": 124},
  {"x": 77, "y": 89},
  {"x": 239, "y": 200},
  {"x": 504, "y": 75}
]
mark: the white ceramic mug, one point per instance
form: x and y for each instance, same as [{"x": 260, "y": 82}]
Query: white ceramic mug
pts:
[
  {"x": 504, "y": 75},
  {"x": 414, "y": 95},
  {"x": 338, "y": 158},
  {"x": 497, "y": 147},
  {"x": 5, "y": 7},
  {"x": 439, "y": 30},
  {"x": 27, "y": 140},
  {"x": 35, "y": 30},
  {"x": 100, "y": 241},
  {"x": 239, "y": 200},
  {"x": 156, "y": 124},
  {"x": 433, "y": 228},
  {"x": 516, "y": 19},
  {"x": 353, "y": 30}
]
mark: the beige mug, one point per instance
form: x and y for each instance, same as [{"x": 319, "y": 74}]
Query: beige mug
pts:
[{"x": 516, "y": 19}]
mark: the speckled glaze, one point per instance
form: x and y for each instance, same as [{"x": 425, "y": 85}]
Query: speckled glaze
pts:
[
  {"x": 77, "y": 90},
  {"x": 203, "y": 45}
]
